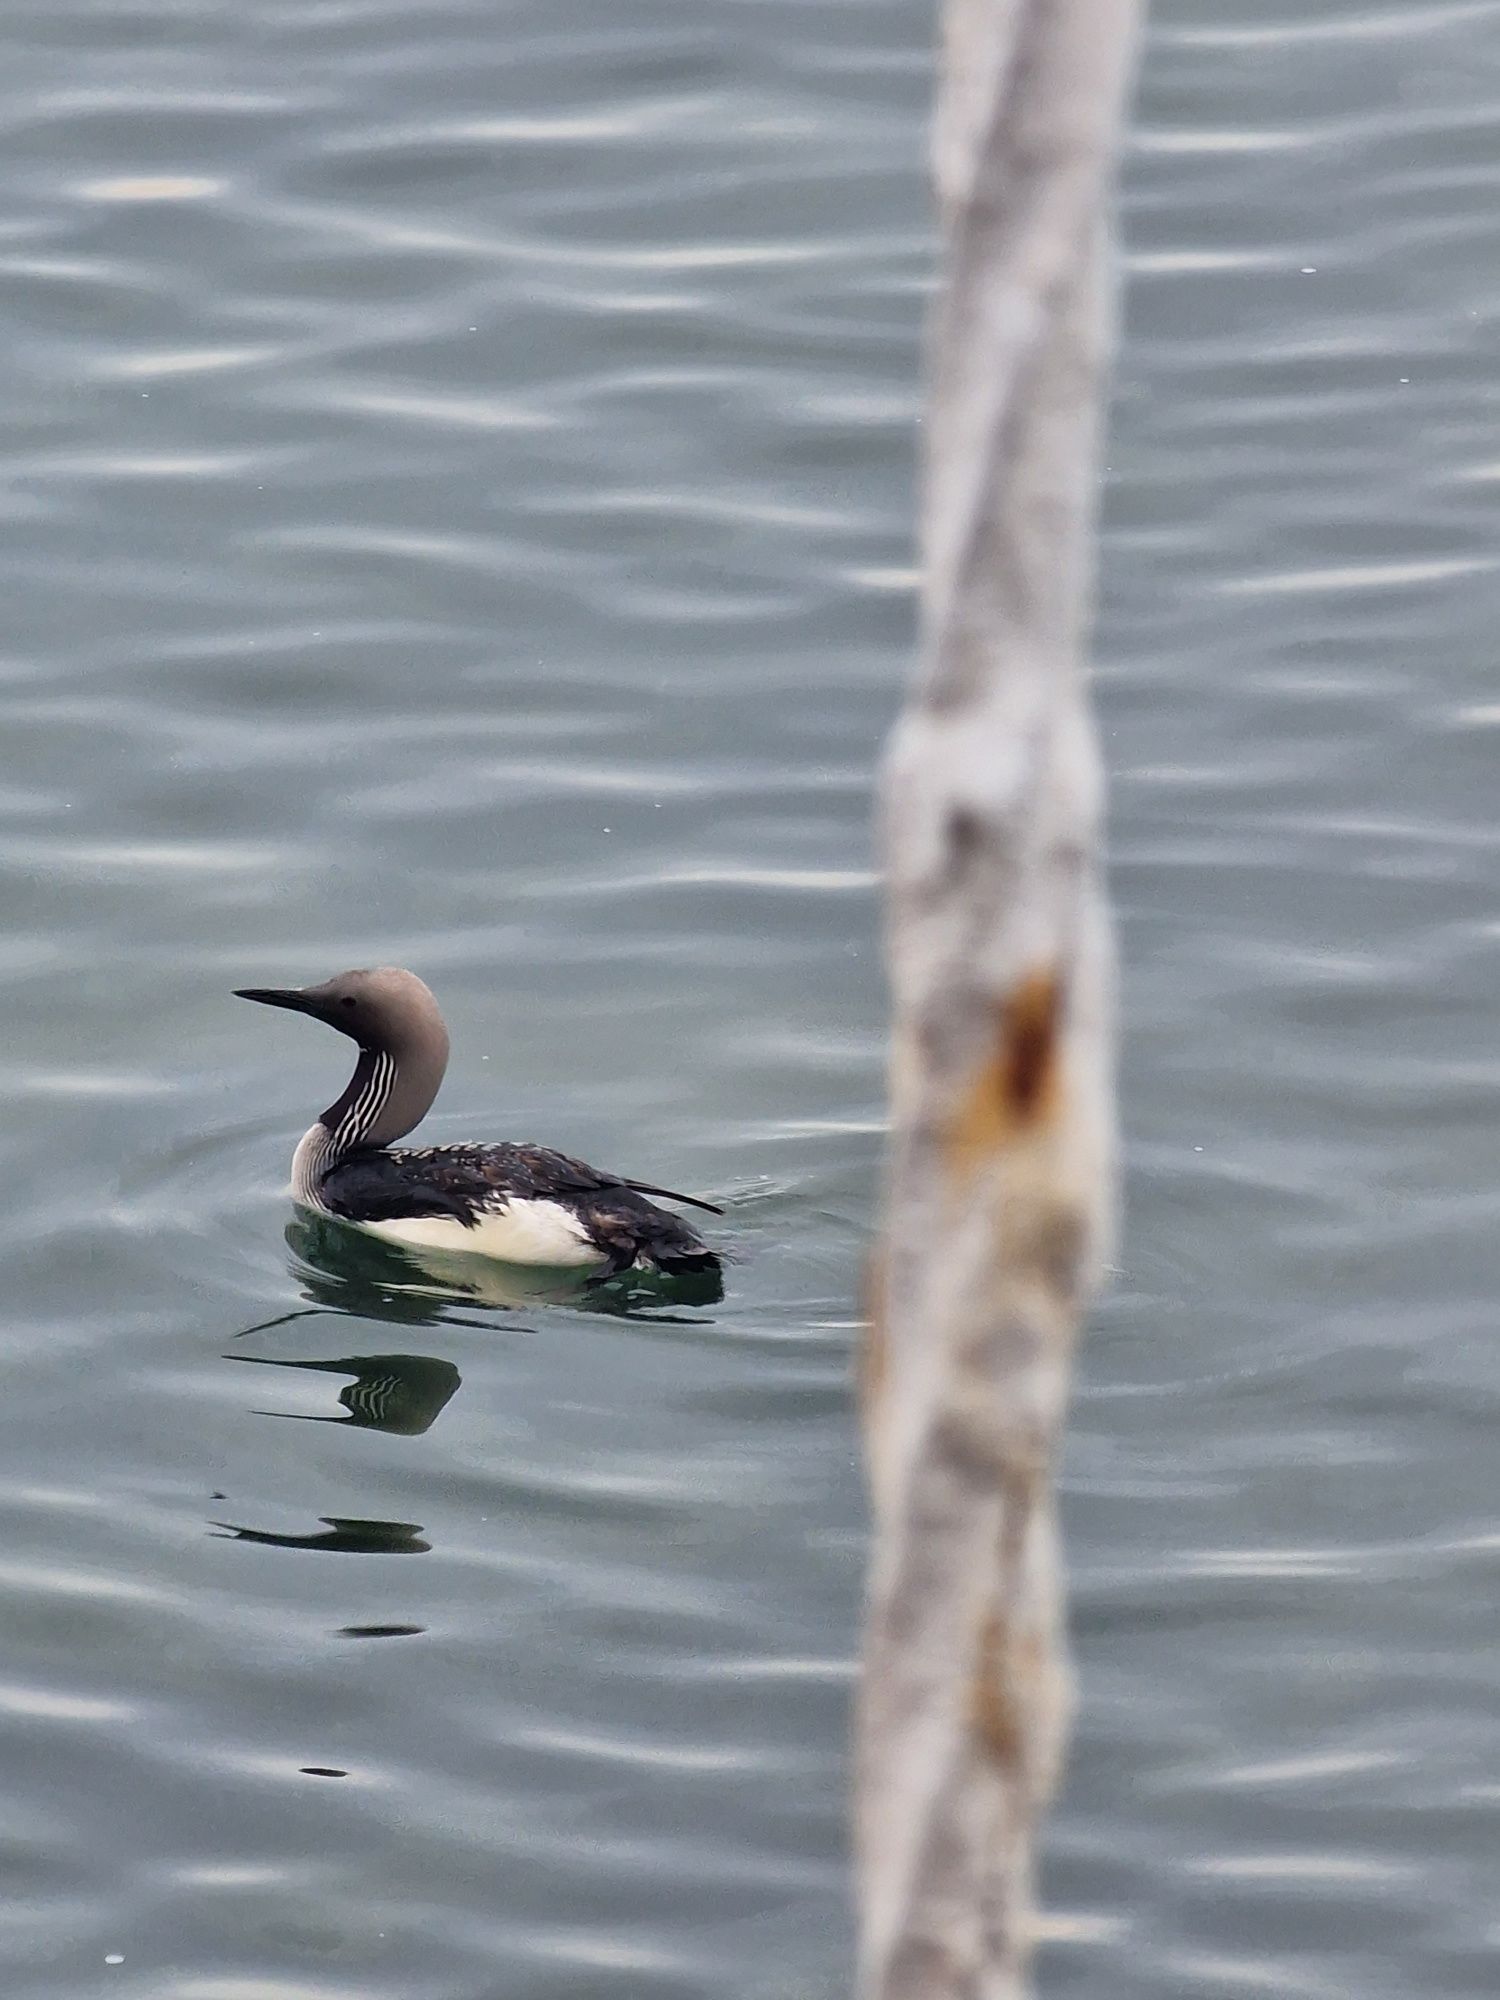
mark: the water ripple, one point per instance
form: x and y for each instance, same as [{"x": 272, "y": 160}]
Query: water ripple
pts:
[{"x": 459, "y": 511}]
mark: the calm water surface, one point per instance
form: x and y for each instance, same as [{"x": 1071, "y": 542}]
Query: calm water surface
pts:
[{"x": 457, "y": 484}]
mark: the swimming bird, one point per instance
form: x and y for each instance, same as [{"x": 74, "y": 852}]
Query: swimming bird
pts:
[{"x": 521, "y": 1204}]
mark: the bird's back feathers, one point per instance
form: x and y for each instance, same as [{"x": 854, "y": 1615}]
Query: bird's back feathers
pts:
[{"x": 472, "y": 1185}]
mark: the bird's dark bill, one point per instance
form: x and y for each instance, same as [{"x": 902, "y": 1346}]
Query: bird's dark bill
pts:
[{"x": 276, "y": 996}]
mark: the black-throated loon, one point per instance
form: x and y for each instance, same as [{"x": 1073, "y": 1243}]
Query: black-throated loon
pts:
[{"x": 520, "y": 1204}]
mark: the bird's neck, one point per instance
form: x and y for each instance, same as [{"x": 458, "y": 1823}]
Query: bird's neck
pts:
[
  {"x": 382, "y": 1101},
  {"x": 358, "y": 1117},
  {"x": 350, "y": 1122}
]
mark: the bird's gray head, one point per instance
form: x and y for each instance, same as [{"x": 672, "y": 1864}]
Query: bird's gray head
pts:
[
  {"x": 380, "y": 1007},
  {"x": 393, "y": 1016}
]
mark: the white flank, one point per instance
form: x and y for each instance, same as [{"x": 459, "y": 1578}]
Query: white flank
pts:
[{"x": 523, "y": 1232}]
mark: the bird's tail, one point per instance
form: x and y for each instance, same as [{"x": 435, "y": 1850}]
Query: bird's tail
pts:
[
  {"x": 697, "y": 1275},
  {"x": 686, "y": 1263}
]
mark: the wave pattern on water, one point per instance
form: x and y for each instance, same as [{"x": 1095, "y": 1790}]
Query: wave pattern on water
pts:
[{"x": 459, "y": 512}]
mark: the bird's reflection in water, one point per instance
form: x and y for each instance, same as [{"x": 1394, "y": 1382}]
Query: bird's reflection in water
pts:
[
  {"x": 342, "y": 1271},
  {"x": 340, "y": 1536},
  {"x": 348, "y": 1272},
  {"x": 400, "y": 1393}
]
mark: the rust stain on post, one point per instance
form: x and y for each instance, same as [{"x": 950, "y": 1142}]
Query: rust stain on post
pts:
[
  {"x": 1017, "y": 1087},
  {"x": 998, "y": 1716},
  {"x": 1032, "y": 1018},
  {"x": 1010, "y": 1678}
]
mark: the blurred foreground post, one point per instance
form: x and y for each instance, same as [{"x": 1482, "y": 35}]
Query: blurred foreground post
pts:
[{"x": 999, "y": 1184}]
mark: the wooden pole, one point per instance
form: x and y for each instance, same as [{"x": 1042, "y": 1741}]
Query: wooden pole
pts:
[{"x": 1000, "y": 1169}]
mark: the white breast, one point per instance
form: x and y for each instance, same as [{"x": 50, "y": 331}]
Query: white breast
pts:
[{"x": 523, "y": 1232}]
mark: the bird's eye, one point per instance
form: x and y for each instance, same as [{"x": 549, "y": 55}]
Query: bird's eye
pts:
[{"x": 347, "y": 1000}]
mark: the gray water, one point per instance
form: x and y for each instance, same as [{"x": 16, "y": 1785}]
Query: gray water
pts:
[{"x": 458, "y": 483}]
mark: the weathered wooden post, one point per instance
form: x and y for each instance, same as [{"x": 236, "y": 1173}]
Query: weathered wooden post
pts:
[{"x": 1000, "y": 1169}]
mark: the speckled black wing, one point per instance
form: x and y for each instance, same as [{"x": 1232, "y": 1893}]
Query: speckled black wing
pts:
[
  {"x": 465, "y": 1181},
  {"x": 386, "y": 1187},
  {"x": 536, "y": 1172},
  {"x": 540, "y": 1172},
  {"x": 615, "y": 1213}
]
